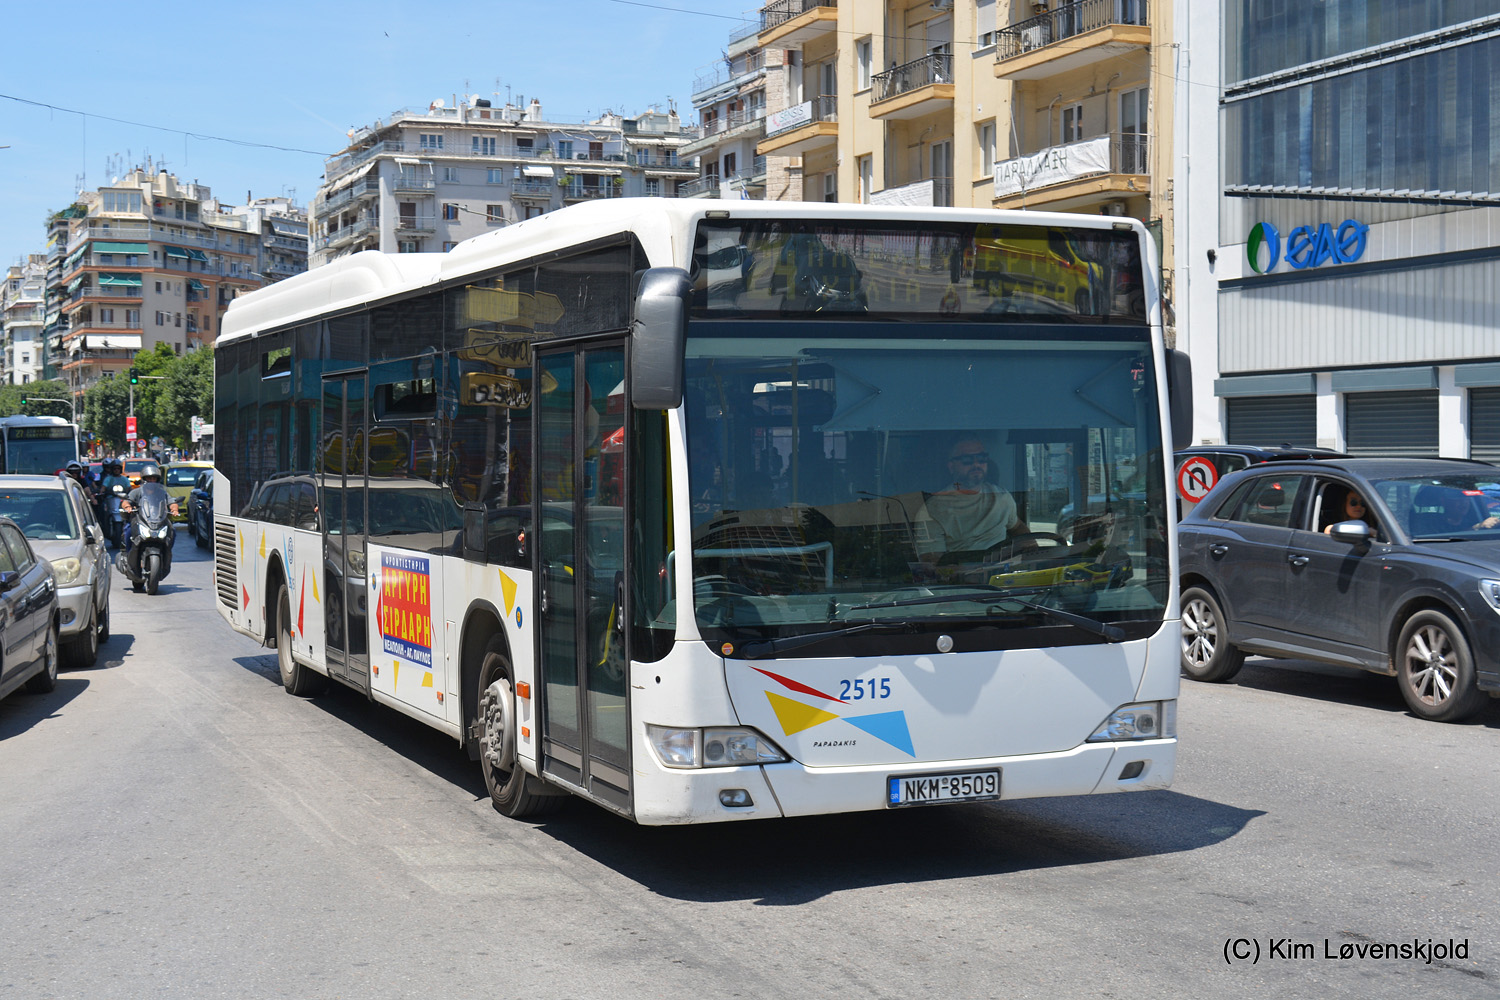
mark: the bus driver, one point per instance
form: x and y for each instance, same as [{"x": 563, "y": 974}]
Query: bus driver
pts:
[{"x": 970, "y": 515}]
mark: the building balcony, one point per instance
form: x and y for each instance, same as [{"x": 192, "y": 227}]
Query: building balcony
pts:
[
  {"x": 1079, "y": 175},
  {"x": 747, "y": 124},
  {"x": 806, "y": 128},
  {"x": 533, "y": 188},
  {"x": 408, "y": 183},
  {"x": 921, "y": 87},
  {"x": 577, "y": 191},
  {"x": 336, "y": 167},
  {"x": 410, "y": 224},
  {"x": 700, "y": 187},
  {"x": 791, "y": 24},
  {"x": 1092, "y": 30},
  {"x": 739, "y": 70}
]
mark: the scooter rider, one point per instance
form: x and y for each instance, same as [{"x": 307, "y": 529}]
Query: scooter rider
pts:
[
  {"x": 150, "y": 483},
  {"x": 112, "y": 478},
  {"x": 74, "y": 471}
]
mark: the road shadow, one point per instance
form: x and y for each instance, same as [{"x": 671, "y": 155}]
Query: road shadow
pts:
[
  {"x": 424, "y": 746},
  {"x": 1341, "y": 685},
  {"x": 791, "y": 861},
  {"x": 21, "y": 710},
  {"x": 112, "y": 653}
]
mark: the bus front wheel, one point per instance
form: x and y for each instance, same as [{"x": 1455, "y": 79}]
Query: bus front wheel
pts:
[{"x": 511, "y": 790}]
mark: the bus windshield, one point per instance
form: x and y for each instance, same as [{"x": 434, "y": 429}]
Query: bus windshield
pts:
[
  {"x": 39, "y": 451},
  {"x": 941, "y": 476}
]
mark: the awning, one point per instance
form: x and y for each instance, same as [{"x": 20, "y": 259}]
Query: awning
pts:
[
  {"x": 119, "y": 279},
  {"x": 121, "y": 248},
  {"x": 175, "y": 252},
  {"x": 197, "y": 254},
  {"x": 538, "y": 171},
  {"x": 73, "y": 285},
  {"x": 112, "y": 342},
  {"x": 195, "y": 284},
  {"x": 408, "y": 161}
]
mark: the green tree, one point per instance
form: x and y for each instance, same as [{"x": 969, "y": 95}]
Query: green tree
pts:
[
  {"x": 36, "y": 393},
  {"x": 188, "y": 392},
  {"x": 105, "y": 406}
]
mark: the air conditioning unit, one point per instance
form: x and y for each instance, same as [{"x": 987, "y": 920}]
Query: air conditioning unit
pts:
[
  {"x": 1114, "y": 208},
  {"x": 1034, "y": 37}
]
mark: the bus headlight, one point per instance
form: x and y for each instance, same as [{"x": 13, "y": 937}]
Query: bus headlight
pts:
[
  {"x": 1146, "y": 720},
  {"x": 66, "y": 570},
  {"x": 719, "y": 746}
]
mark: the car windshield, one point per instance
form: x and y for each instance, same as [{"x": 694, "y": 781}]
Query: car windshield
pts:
[
  {"x": 1462, "y": 506},
  {"x": 185, "y": 476},
  {"x": 43, "y": 515}
]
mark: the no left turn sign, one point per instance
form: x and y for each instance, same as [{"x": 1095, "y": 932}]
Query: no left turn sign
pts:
[{"x": 1196, "y": 477}]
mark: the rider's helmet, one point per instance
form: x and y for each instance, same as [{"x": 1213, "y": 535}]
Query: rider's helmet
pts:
[
  {"x": 151, "y": 471},
  {"x": 74, "y": 468}
]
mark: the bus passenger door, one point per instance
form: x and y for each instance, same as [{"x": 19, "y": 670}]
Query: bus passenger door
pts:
[
  {"x": 343, "y": 475},
  {"x": 579, "y": 555}
]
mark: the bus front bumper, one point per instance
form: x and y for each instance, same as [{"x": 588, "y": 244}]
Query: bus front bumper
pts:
[{"x": 709, "y": 795}]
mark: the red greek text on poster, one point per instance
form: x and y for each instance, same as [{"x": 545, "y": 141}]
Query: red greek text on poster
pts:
[{"x": 406, "y": 607}]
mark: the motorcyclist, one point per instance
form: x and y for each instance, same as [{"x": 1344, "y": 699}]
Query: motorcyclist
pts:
[
  {"x": 150, "y": 486},
  {"x": 74, "y": 470},
  {"x": 113, "y": 477}
]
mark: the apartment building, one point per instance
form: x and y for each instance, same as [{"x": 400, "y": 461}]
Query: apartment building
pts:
[
  {"x": 426, "y": 180},
  {"x": 23, "y": 314},
  {"x": 1037, "y": 104},
  {"x": 149, "y": 259},
  {"x": 1339, "y": 189},
  {"x": 731, "y": 98}
]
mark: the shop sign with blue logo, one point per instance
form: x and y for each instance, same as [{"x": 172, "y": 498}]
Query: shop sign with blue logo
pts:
[{"x": 1306, "y": 246}]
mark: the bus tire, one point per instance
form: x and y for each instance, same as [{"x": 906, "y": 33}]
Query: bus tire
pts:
[
  {"x": 511, "y": 790},
  {"x": 297, "y": 678}
]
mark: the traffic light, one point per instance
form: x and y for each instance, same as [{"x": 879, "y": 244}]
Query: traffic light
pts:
[
  {"x": 24, "y": 400},
  {"x": 135, "y": 379}
]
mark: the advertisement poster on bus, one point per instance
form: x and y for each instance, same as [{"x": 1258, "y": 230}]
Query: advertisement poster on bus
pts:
[{"x": 406, "y": 608}]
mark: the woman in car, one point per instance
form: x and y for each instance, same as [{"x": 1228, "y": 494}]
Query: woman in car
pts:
[{"x": 1350, "y": 508}]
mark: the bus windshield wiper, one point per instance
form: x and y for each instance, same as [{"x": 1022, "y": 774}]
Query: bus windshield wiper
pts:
[
  {"x": 1110, "y": 633},
  {"x": 765, "y": 647}
]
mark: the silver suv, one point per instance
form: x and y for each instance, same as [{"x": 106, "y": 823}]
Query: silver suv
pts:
[{"x": 60, "y": 525}]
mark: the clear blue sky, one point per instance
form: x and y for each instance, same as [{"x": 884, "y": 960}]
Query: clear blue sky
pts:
[{"x": 300, "y": 75}]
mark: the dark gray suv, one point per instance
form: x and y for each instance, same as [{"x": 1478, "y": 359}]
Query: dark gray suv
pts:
[{"x": 1388, "y": 564}]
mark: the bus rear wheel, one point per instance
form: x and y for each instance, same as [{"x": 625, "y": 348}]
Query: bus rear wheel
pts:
[{"x": 511, "y": 790}]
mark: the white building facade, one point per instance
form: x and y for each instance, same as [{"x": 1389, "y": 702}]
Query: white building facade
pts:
[{"x": 421, "y": 181}]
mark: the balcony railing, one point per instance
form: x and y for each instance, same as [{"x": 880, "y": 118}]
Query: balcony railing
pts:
[
  {"x": 646, "y": 158},
  {"x": 1065, "y": 22},
  {"x": 1112, "y": 153},
  {"x": 739, "y": 66},
  {"x": 824, "y": 108},
  {"x": 726, "y": 123},
  {"x": 782, "y": 11},
  {"x": 589, "y": 192},
  {"x": 697, "y": 186},
  {"x": 341, "y": 165},
  {"x": 919, "y": 73},
  {"x": 533, "y": 187},
  {"x": 410, "y": 223}
]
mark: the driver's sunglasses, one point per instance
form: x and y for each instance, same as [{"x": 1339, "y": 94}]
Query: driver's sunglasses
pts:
[{"x": 967, "y": 460}]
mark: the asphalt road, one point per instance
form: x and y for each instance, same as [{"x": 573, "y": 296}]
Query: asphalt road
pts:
[{"x": 175, "y": 825}]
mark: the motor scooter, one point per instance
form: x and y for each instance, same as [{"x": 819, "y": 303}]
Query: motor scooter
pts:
[
  {"x": 146, "y": 558},
  {"x": 114, "y": 516}
]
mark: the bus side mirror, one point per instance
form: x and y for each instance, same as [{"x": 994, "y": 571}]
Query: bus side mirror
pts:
[
  {"x": 658, "y": 333},
  {"x": 1180, "y": 398}
]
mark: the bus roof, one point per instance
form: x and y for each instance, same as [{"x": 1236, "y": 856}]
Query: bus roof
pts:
[
  {"x": 22, "y": 420},
  {"x": 661, "y": 224}
]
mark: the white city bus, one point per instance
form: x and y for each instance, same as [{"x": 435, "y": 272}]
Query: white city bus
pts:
[
  {"x": 642, "y": 501},
  {"x": 36, "y": 446}
]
